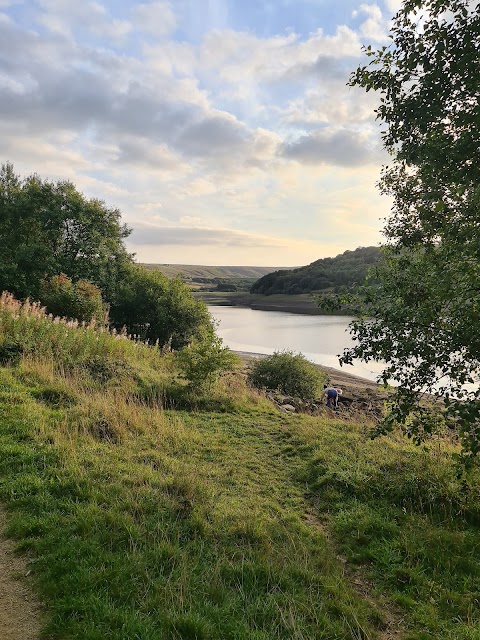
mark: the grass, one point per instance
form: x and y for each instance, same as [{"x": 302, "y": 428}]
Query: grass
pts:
[
  {"x": 151, "y": 514},
  {"x": 181, "y": 529}
]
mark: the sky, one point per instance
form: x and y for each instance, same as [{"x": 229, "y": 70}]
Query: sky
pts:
[{"x": 223, "y": 130}]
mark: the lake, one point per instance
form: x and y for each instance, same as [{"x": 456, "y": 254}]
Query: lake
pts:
[{"x": 320, "y": 338}]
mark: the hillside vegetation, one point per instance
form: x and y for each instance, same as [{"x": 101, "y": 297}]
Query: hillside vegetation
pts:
[
  {"x": 205, "y": 278},
  {"x": 150, "y": 510},
  {"x": 191, "y": 271},
  {"x": 347, "y": 269}
]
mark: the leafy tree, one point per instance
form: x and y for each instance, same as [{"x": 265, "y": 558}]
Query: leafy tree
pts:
[
  {"x": 423, "y": 320},
  {"x": 157, "y": 308},
  {"x": 47, "y": 228},
  {"x": 81, "y": 300}
]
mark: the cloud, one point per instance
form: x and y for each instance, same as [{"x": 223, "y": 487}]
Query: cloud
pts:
[
  {"x": 156, "y": 18},
  {"x": 347, "y": 148},
  {"x": 64, "y": 16},
  {"x": 375, "y": 27},
  {"x": 50, "y": 88},
  {"x": 194, "y": 235},
  {"x": 393, "y": 5},
  {"x": 141, "y": 152},
  {"x": 226, "y": 133}
]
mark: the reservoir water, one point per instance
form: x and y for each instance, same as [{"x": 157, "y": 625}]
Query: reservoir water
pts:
[{"x": 320, "y": 338}]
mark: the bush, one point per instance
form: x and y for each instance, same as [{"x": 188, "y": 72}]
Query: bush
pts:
[
  {"x": 290, "y": 373},
  {"x": 80, "y": 301},
  {"x": 10, "y": 353},
  {"x": 202, "y": 361}
]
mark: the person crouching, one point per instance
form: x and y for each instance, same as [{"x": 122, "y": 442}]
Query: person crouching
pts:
[{"x": 331, "y": 396}]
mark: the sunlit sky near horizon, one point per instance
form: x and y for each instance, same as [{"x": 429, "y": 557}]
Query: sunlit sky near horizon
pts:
[{"x": 222, "y": 129}]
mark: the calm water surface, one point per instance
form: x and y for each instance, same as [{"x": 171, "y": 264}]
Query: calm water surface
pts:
[{"x": 320, "y": 338}]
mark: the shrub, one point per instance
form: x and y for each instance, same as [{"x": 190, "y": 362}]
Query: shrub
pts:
[
  {"x": 202, "y": 361},
  {"x": 158, "y": 309},
  {"x": 290, "y": 373},
  {"x": 81, "y": 301}
]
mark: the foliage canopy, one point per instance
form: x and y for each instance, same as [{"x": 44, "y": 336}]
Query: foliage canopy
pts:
[
  {"x": 423, "y": 319},
  {"x": 68, "y": 251},
  {"x": 157, "y": 308},
  {"x": 79, "y": 300},
  {"x": 48, "y": 228},
  {"x": 347, "y": 269}
]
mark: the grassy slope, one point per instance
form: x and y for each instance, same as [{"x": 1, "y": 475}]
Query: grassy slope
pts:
[
  {"x": 203, "y": 271},
  {"x": 210, "y": 523}
]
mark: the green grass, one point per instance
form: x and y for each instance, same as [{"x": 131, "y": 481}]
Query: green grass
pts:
[
  {"x": 219, "y": 518},
  {"x": 401, "y": 515},
  {"x": 192, "y": 529}
]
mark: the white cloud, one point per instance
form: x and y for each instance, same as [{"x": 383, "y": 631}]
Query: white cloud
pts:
[
  {"x": 375, "y": 27},
  {"x": 63, "y": 16},
  {"x": 156, "y": 18},
  {"x": 214, "y": 142},
  {"x": 393, "y": 5}
]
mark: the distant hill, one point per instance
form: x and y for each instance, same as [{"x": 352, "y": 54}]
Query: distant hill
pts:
[
  {"x": 191, "y": 271},
  {"x": 349, "y": 268},
  {"x": 205, "y": 278}
]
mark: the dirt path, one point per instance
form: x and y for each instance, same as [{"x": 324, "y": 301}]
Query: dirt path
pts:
[{"x": 20, "y": 617}]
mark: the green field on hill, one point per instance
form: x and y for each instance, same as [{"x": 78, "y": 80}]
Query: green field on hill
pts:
[
  {"x": 149, "y": 511},
  {"x": 190, "y": 271}
]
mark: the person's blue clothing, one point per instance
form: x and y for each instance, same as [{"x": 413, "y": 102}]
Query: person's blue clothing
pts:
[{"x": 332, "y": 398}]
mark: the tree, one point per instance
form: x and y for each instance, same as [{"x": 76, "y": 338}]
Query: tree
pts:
[
  {"x": 423, "y": 319},
  {"x": 154, "y": 307},
  {"x": 48, "y": 228}
]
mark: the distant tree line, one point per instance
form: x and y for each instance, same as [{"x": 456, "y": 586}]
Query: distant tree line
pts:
[
  {"x": 68, "y": 252},
  {"x": 347, "y": 269}
]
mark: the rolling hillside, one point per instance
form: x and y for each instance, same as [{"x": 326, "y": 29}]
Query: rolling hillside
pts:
[
  {"x": 148, "y": 510},
  {"x": 347, "y": 269},
  {"x": 201, "y": 278},
  {"x": 192, "y": 271}
]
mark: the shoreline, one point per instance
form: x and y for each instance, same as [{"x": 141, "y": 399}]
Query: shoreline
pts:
[
  {"x": 303, "y": 304},
  {"x": 337, "y": 377}
]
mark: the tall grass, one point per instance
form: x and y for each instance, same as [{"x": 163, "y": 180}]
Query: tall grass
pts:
[{"x": 68, "y": 342}]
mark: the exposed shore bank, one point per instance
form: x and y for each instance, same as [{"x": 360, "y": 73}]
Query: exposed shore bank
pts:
[
  {"x": 360, "y": 397},
  {"x": 303, "y": 303}
]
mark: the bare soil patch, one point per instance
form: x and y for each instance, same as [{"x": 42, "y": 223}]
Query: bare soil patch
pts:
[{"x": 20, "y": 612}]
